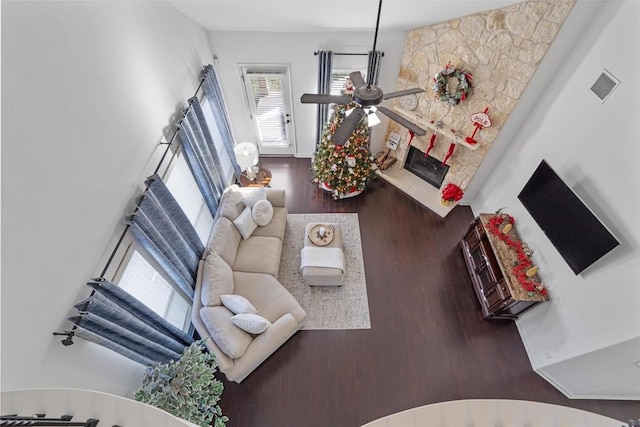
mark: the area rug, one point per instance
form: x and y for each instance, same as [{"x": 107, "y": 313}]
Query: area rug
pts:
[{"x": 344, "y": 307}]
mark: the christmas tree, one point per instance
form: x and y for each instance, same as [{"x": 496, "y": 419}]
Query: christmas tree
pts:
[{"x": 346, "y": 169}]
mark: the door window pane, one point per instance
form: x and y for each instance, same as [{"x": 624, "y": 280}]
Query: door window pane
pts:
[{"x": 268, "y": 103}]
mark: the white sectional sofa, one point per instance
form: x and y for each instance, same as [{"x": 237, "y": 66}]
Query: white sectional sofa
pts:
[{"x": 235, "y": 265}]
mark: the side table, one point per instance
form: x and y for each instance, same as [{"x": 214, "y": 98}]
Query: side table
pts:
[{"x": 263, "y": 178}]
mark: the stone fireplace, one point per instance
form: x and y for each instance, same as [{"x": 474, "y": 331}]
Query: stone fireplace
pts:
[
  {"x": 502, "y": 49},
  {"x": 426, "y": 167}
]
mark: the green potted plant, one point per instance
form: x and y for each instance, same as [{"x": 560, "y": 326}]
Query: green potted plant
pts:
[{"x": 186, "y": 387}]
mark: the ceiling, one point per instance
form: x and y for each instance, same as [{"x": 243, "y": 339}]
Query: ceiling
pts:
[{"x": 327, "y": 15}]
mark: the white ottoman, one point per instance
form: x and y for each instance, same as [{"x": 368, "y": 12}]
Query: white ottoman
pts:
[{"x": 323, "y": 276}]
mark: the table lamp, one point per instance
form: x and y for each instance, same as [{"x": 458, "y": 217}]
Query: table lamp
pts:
[{"x": 247, "y": 157}]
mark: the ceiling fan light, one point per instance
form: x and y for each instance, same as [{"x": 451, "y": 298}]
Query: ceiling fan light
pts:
[
  {"x": 372, "y": 119},
  {"x": 348, "y": 113}
]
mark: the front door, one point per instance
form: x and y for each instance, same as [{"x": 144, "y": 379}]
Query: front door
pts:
[{"x": 268, "y": 94}]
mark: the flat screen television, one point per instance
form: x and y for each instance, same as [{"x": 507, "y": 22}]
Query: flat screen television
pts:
[{"x": 569, "y": 224}]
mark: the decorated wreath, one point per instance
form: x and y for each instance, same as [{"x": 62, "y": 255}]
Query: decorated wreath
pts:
[{"x": 460, "y": 93}]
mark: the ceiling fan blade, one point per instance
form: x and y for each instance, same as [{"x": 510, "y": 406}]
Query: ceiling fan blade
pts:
[
  {"x": 345, "y": 130},
  {"x": 404, "y": 122},
  {"x": 402, "y": 93},
  {"x": 356, "y": 79},
  {"x": 312, "y": 98}
]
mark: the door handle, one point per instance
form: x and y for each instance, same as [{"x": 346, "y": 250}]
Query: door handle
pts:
[{"x": 287, "y": 121}]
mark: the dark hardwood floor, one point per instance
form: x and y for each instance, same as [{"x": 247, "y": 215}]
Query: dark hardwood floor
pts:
[{"x": 427, "y": 343}]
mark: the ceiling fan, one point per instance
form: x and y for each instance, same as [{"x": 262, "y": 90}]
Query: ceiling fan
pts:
[{"x": 367, "y": 97}]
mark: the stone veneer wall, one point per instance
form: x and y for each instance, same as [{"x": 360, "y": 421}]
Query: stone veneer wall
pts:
[{"x": 502, "y": 49}]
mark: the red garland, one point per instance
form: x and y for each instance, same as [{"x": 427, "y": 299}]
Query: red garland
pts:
[{"x": 524, "y": 263}]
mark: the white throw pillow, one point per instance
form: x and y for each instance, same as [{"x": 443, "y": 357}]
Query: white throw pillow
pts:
[
  {"x": 262, "y": 212},
  {"x": 237, "y": 304},
  {"x": 245, "y": 223},
  {"x": 232, "y": 340},
  {"x": 217, "y": 279},
  {"x": 251, "y": 323},
  {"x": 251, "y": 198},
  {"x": 231, "y": 204}
]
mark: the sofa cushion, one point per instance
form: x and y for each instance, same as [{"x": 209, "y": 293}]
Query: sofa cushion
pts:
[
  {"x": 262, "y": 212},
  {"x": 251, "y": 323},
  {"x": 258, "y": 194},
  {"x": 276, "y": 226},
  {"x": 232, "y": 340},
  {"x": 217, "y": 279},
  {"x": 259, "y": 254},
  {"x": 245, "y": 223},
  {"x": 237, "y": 304},
  {"x": 231, "y": 205},
  {"x": 225, "y": 239},
  {"x": 277, "y": 197},
  {"x": 268, "y": 296}
]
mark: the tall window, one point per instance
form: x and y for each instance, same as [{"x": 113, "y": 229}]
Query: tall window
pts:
[
  {"x": 338, "y": 78},
  {"x": 144, "y": 282},
  {"x": 185, "y": 190},
  {"x": 139, "y": 274}
]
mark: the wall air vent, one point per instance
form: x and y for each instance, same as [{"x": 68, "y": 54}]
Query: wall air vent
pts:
[{"x": 605, "y": 84}]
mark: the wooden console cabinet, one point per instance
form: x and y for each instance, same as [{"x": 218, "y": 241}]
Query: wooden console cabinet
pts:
[{"x": 490, "y": 261}]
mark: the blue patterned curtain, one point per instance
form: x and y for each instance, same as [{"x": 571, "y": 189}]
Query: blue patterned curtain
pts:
[
  {"x": 373, "y": 66},
  {"x": 325, "y": 71},
  {"x": 201, "y": 156},
  {"x": 213, "y": 92},
  {"x": 116, "y": 320},
  {"x": 162, "y": 228}
]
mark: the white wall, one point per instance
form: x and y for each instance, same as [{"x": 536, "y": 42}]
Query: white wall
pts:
[
  {"x": 88, "y": 88},
  {"x": 594, "y": 147},
  {"x": 296, "y": 49}
]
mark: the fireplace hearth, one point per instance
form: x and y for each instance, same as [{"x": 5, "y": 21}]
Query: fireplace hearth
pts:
[{"x": 428, "y": 168}]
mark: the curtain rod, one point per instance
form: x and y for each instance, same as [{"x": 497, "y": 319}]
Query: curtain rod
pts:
[
  {"x": 69, "y": 334},
  {"x": 347, "y": 54},
  {"x": 164, "y": 155}
]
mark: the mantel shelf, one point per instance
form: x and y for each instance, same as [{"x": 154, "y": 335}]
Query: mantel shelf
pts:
[{"x": 444, "y": 131}]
